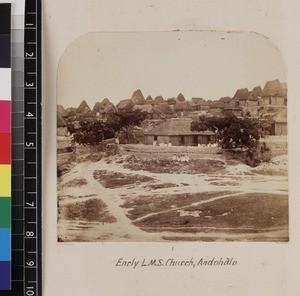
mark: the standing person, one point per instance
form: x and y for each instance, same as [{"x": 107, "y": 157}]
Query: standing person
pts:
[{"x": 117, "y": 141}]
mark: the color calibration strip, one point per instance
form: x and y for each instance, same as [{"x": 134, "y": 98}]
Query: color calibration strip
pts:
[{"x": 5, "y": 146}]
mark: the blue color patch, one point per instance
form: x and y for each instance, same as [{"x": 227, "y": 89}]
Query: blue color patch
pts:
[
  {"x": 5, "y": 275},
  {"x": 5, "y": 242}
]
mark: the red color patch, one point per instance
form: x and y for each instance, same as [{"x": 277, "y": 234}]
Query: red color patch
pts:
[
  {"x": 5, "y": 116},
  {"x": 5, "y": 148}
]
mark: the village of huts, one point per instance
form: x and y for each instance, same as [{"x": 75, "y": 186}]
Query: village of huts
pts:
[{"x": 167, "y": 120}]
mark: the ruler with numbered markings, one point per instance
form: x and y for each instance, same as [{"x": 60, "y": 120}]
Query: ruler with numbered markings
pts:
[
  {"x": 26, "y": 273},
  {"x": 32, "y": 149}
]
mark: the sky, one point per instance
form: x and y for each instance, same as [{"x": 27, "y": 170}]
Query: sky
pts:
[{"x": 197, "y": 64}]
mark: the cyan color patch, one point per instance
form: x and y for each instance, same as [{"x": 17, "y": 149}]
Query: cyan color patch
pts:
[{"x": 5, "y": 253}]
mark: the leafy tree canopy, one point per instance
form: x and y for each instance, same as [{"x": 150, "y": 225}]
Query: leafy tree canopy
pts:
[
  {"x": 93, "y": 133},
  {"x": 125, "y": 121},
  {"x": 231, "y": 131}
]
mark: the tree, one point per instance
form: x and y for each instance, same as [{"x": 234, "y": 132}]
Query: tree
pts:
[
  {"x": 93, "y": 133},
  {"x": 125, "y": 121},
  {"x": 231, "y": 131}
]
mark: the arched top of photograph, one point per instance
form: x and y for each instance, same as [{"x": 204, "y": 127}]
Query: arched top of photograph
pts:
[
  {"x": 136, "y": 65},
  {"x": 172, "y": 136}
]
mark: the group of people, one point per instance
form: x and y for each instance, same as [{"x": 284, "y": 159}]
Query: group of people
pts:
[
  {"x": 207, "y": 145},
  {"x": 180, "y": 158},
  {"x": 162, "y": 144}
]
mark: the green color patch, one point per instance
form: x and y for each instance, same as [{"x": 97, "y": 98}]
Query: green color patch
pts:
[{"x": 5, "y": 212}]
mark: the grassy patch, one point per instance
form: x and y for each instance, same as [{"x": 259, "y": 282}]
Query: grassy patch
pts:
[
  {"x": 78, "y": 182},
  {"x": 161, "y": 186},
  {"x": 92, "y": 210},
  {"x": 194, "y": 166},
  {"x": 144, "y": 205},
  {"x": 251, "y": 211},
  {"x": 114, "y": 179}
]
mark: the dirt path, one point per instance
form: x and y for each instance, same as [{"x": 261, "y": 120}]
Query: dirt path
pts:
[{"x": 123, "y": 230}]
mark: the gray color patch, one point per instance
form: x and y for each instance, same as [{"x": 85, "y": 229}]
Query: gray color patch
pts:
[
  {"x": 18, "y": 151},
  {"x": 17, "y": 167},
  {"x": 17, "y": 64},
  {"x": 18, "y": 135},
  {"x": 17, "y": 49},
  {"x": 17, "y": 79},
  {"x": 17, "y": 106},
  {"x": 18, "y": 119},
  {"x": 17, "y": 94}
]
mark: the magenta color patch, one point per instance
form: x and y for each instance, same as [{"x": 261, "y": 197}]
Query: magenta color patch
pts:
[{"x": 5, "y": 116}]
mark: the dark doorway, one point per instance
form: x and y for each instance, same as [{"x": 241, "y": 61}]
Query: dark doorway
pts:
[{"x": 195, "y": 140}]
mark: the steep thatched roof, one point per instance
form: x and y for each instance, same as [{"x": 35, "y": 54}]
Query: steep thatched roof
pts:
[
  {"x": 158, "y": 100},
  {"x": 176, "y": 127},
  {"x": 70, "y": 112},
  {"x": 61, "y": 110},
  {"x": 104, "y": 107},
  {"x": 96, "y": 106},
  {"x": 138, "y": 98},
  {"x": 149, "y": 100},
  {"x": 217, "y": 104},
  {"x": 171, "y": 101},
  {"x": 108, "y": 109},
  {"x": 225, "y": 100},
  {"x": 87, "y": 114},
  {"x": 242, "y": 94},
  {"x": 144, "y": 108},
  {"x": 83, "y": 105},
  {"x": 182, "y": 106},
  {"x": 255, "y": 93},
  {"x": 60, "y": 120},
  {"x": 163, "y": 108},
  {"x": 124, "y": 104},
  {"x": 273, "y": 88},
  {"x": 180, "y": 98},
  {"x": 197, "y": 101},
  {"x": 284, "y": 87}
]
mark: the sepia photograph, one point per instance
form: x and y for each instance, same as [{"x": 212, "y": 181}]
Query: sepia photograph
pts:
[{"x": 172, "y": 136}]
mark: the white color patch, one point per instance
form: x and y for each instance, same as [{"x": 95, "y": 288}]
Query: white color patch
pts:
[{"x": 5, "y": 84}]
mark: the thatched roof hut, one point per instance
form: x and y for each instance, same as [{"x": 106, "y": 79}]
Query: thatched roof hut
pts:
[
  {"x": 180, "y": 98},
  {"x": 182, "y": 106},
  {"x": 175, "y": 127},
  {"x": 273, "y": 89},
  {"x": 137, "y": 98},
  {"x": 144, "y": 108},
  {"x": 225, "y": 100},
  {"x": 163, "y": 108},
  {"x": 86, "y": 115},
  {"x": 60, "y": 120},
  {"x": 242, "y": 94},
  {"x": 255, "y": 94},
  {"x": 61, "y": 110},
  {"x": 284, "y": 88},
  {"x": 104, "y": 107},
  {"x": 71, "y": 112},
  {"x": 171, "y": 101},
  {"x": 83, "y": 106},
  {"x": 149, "y": 100},
  {"x": 125, "y": 105},
  {"x": 158, "y": 100}
]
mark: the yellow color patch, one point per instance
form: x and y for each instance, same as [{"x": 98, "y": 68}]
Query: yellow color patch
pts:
[{"x": 5, "y": 180}]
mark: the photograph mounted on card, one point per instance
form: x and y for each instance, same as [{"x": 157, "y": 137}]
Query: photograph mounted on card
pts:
[{"x": 172, "y": 136}]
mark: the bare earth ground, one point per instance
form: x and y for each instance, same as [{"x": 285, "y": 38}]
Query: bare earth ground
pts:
[{"x": 147, "y": 196}]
